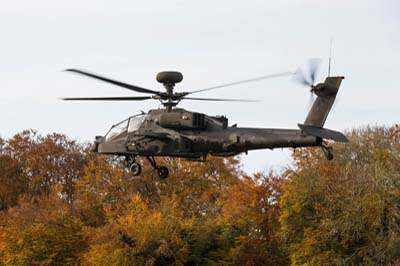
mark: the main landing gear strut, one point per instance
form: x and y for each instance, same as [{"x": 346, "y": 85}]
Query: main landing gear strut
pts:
[
  {"x": 136, "y": 168},
  {"x": 162, "y": 171}
]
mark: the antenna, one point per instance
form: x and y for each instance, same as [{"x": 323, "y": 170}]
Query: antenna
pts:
[{"x": 330, "y": 57}]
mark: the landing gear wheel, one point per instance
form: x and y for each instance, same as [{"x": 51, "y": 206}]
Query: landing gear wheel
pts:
[
  {"x": 329, "y": 155},
  {"x": 135, "y": 169},
  {"x": 163, "y": 172}
]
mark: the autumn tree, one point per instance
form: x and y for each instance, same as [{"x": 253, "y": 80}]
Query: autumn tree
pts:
[
  {"x": 345, "y": 211},
  {"x": 37, "y": 186},
  {"x": 43, "y": 161},
  {"x": 204, "y": 214},
  {"x": 41, "y": 231},
  {"x": 249, "y": 222},
  {"x": 103, "y": 186},
  {"x": 12, "y": 181},
  {"x": 141, "y": 236},
  {"x": 62, "y": 206},
  {"x": 151, "y": 220}
]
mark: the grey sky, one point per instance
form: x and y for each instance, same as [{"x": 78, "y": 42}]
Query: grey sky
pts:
[{"x": 211, "y": 42}]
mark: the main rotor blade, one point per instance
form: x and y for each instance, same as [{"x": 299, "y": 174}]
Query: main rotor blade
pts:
[
  {"x": 114, "y": 82},
  {"x": 244, "y": 81},
  {"x": 108, "y": 98},
  {"x": 217, "y": 99}
]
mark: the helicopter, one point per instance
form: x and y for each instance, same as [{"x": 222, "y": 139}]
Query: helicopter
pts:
[{"x": 176, "y": 132}]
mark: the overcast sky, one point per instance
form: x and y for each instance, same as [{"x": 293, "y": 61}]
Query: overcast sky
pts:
[{"x": 210, "y": 42}]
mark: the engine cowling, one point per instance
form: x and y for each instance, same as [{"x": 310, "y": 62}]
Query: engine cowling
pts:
[{"x": 182, "y": 119}]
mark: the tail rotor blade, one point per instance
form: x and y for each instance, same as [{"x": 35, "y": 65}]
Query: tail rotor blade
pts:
[
  {"x": 308, "y": 78},
  {"x": 313, "y": 65},
  {"x": 301, "y": 78}
]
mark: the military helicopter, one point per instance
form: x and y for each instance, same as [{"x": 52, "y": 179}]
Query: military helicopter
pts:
[{"x": 176, "y": 132}]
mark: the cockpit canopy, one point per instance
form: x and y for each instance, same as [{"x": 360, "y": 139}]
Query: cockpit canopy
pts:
[
  {"x": 126, "y": 126},
  {"x": 177, "y": 119},
  {"x": 135, "y": 122}
]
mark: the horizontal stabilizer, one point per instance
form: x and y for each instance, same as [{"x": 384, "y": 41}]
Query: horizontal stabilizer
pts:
[{"x": 323, "y": 133}]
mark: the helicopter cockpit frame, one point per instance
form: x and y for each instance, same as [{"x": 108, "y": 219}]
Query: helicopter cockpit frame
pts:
[{"x": 128, "y": 125}]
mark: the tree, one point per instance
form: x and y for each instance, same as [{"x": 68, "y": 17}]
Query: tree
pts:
[
  {"x": 103, "y": 186},
  {"x": 157, "y": 223},
  {"x": 45, "y": 161},
  {"x": 140, "y": 236},
  {"x": 249, "y": 222},
  {"x": 12, "y": 181},
  {"x": 345, "y": 211},
  {"x": 41, "y": 232},
  {"x": 61, "y": 206}
]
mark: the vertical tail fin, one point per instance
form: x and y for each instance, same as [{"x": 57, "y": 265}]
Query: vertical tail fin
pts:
[{"x": 326, "y": 94}]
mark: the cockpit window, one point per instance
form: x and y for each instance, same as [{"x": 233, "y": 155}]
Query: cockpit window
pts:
[
  {"x": 135, "y": 122},
  {"x": 117, "y": 129}
]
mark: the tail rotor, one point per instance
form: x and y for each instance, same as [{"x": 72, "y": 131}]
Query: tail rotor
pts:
[{"x": 307, "y": 76}]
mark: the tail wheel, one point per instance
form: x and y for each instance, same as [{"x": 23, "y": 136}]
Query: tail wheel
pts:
[
  {"x": 328, "y": 152},
  {"x": 163, "y": 172},
  {"x": 135, "y": 169},
  {"x": 329, "y": 155}
]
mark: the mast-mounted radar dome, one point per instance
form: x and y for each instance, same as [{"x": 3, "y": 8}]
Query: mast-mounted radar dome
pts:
[{"x": 170, "y": 77}]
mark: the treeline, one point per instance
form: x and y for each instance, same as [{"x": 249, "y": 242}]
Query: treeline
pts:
[{"x": 62, "y": 205}]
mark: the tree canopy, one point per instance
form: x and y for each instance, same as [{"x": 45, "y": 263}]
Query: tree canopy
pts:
[{"x": 61, "y": 205}]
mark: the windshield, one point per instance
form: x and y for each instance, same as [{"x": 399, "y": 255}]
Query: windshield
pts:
[
  {"x": 135, "y": 122},
  {"x": 117, "y": 129}
]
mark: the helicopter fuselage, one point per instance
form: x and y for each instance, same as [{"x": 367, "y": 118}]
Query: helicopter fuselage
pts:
[{"x": 181, "y": 133}]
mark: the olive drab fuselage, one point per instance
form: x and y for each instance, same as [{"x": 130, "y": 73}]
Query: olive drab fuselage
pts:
[{"x": 181, "y": 133}]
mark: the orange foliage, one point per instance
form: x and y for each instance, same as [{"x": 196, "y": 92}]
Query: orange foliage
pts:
[{"x": 60, "y": 205}]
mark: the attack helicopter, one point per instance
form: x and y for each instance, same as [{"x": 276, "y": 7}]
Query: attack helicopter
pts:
[{"x": 177, "y": 132}]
